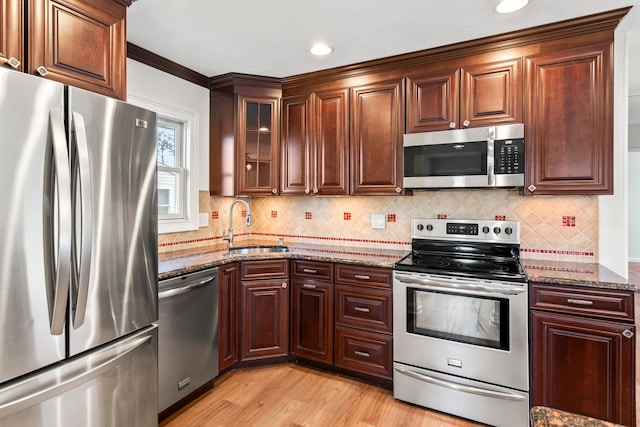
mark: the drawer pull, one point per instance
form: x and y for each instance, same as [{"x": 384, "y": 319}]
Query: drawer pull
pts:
[
  {"x": 362, "y": 309},
  {"x": 308, "y": 285},
  {"x": 579, "y": 301},
  {"x": 362, "y": 353},
  {"x": 309, "y": 270},
  {"x": 362, "y": 277},
  {"x": 627, "y": 333},
  {"x": 230, "y": 270}
]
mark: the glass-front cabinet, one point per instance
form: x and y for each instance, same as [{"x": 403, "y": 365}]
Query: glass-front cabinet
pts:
[{"x": 258, "y": 147}]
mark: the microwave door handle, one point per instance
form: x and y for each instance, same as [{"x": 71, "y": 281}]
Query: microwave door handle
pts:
[{"x": 491, "y": 175}]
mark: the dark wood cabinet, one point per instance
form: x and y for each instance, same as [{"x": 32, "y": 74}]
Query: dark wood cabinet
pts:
[
  {"x": 228, "y": 303},
  {"x": 569, "y": 121},
  {"x": 312, "y": 311},
  {"x": 265, "y": 309},
  {"x": 244, "y": 134},
  {"x": 472, "y": 95},
  {"x": 583, "y": 352},
  {"x": 79, "y": 43},
  {"x": 363, "y": 320},
  {"x": 376, "y": 130},
  {"x": 11, "y": 33},
  {"x": 315, "y": 143}
]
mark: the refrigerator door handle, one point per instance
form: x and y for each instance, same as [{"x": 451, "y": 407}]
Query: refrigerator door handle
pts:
[
  {"x": 99, "y": 364},
  {"x": 81, "y": 185},
  {"x": 57, "y": 223}
]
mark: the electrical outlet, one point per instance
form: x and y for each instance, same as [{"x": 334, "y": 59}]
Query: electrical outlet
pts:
[
  {"x": 203, "y": 219},
  {"x": 378, "y": 221}
]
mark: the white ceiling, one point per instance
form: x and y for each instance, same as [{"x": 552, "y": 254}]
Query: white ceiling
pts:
[{"x": 272, "y": 38}]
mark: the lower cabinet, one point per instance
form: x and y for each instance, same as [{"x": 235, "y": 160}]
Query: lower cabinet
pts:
[
  {"x": 582, "y": 352},
  {"x": 265, "y": 309},
  {"x": 228, "y": 304}
]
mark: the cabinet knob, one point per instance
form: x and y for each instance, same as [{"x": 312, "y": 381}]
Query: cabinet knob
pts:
[
  {"x": 627, "y": 333},
  {"x": 531, "y": 188},
  {"x": 452, "y": 125},
  {"x": 315, "y": 191},
  {"x": 466, "y": 123},
  {"x": 274, "y": 190},
  {"x": 398, "y": 190},
  {"x": 306, "y": 191},
  {"x": 13, "y": 62},
  {"x": 284, "y": 285},
  {"x": 42, "y": 70}
]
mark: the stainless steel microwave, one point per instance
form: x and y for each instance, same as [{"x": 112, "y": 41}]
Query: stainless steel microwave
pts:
[{"x": 491, "y": 156}]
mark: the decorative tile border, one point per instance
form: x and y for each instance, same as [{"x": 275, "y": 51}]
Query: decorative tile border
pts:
[
  {"x": 555, "y": 252},
  {"x": 201, "y": 240},
  {"x": 563, "y": 269}
]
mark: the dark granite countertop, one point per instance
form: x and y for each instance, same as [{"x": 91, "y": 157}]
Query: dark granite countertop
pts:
[
  {"x": 575, "y": 273},
  {"x": 172, "y": 264},
  {"x": 548, "y": 417}
]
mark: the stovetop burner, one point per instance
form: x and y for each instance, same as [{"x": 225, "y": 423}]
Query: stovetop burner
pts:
[{"x": 457, "y": 248}]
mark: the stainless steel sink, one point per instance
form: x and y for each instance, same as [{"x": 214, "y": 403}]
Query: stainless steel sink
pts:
[{"x": 256, "y": 250}]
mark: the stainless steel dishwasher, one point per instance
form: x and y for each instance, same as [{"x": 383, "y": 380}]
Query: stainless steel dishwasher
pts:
[{"x": 188, "y": 335}]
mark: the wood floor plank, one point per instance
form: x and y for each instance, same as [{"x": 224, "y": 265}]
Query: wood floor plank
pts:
[{"x": 292, "y": 395}]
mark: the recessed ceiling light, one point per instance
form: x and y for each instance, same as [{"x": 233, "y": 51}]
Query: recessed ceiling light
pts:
[
  {"x": 321, "y": 49},
  {"x": 508, "y": 6}
]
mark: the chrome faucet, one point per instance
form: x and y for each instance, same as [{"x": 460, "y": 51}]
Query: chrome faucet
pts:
[{"x": 229, "y": 236}]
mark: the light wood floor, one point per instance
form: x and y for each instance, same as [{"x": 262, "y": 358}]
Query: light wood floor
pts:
[{"x": 294, "y": 396}]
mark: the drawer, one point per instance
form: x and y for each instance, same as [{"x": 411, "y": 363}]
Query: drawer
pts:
[
  {"x": 365, "y": 352},
  {"x": 366, "y": 308},
  {"x": 264, "y": 269},
  {"x": 367, "y": 276},
  {"x": 312, "y": 270},
  {"x": 610, "y": 304}
]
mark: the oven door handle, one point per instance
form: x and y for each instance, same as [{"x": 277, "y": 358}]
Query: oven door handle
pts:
[
  {"x": 463, "y": 286},
  {"x": 461, "y": 387}
]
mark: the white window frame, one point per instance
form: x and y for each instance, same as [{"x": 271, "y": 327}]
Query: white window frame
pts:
[{"x": 190, "y": 119}]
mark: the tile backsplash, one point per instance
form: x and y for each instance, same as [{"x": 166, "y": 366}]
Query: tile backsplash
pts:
[{"x": 555, "y": 228}]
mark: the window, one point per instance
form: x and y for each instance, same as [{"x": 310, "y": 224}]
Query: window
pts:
[{"x": 177, "y": 188}]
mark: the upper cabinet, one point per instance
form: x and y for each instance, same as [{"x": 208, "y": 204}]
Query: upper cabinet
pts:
[
  {"x": 244, "y": 135},
  {"x": 377, "y": 126},
  {"x": 79, "y": 43},
  {"x": 11, "y": 33},
  {"x": 315, "y": 143},
  {"x": 469, "y": 95},
  {"x": 569, "y": 121}
]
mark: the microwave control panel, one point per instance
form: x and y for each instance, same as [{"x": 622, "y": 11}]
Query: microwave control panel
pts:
[{"x": 509, "y": 156}]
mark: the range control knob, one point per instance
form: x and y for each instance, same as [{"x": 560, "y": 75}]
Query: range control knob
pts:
[
  {"x": 508, "y": 230},
  {"x": 485, "y": 229},
  {"x": 420, "y": 227},
  {"x": 497, "y": 230},
  {"x": 429, "y": 227}
]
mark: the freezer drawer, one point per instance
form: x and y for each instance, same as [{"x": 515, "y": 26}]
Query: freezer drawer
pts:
[
  {"x": 113, "y": 386},
  {"x": 188, "y": 335}
]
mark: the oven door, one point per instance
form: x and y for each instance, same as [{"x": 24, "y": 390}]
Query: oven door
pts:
[{"x": 468, "y": 328}]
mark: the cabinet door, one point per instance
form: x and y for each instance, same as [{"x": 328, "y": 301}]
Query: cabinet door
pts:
[
  {"x": 296, "y": 145},
  {"x": 377, "y": 126},
  {"x": 11, "y": 37},
  {"x": 228, "y": 315},
  {"x": 79, "y": 43},
  {"x": 433, "y": 101},
  {"x": 569, "y": 121},
  {"x": 491, "y": 94},
  {"x": 312, "y": 320},
  {"x": 331, "y": 142},
  {"x": 265, "y": 319},
  {"x": 583, "y": 365},
  {"x": 258, "y": 120}
]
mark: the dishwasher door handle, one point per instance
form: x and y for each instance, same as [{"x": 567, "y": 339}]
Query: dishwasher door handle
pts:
[{"x": 184, "y": 289}]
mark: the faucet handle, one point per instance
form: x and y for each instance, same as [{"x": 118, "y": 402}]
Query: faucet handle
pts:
[{"x": 281, "y": 241}]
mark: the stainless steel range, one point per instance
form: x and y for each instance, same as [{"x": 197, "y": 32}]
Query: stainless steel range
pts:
[{"x": 460, "y": 337}]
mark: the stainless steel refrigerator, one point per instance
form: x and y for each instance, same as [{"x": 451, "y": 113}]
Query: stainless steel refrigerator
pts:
[{"x": 78, "y": 257}]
